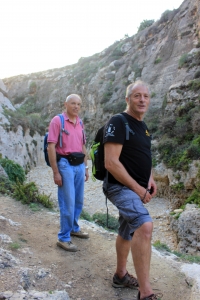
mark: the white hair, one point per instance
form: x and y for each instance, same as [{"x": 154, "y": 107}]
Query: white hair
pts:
[
  {"x": 131, "y": 86},
  {"x": 70, "y": 97}
]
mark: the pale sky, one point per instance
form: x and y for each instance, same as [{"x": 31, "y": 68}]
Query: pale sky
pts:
[{"x": 38, "y": 35}]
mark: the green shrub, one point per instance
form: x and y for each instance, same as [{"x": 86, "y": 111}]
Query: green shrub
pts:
[
  {"x": 178, "y": 186},
  {"x": 161, "y": 246},
  {"x": 101, "y": 220},
  {"x": 193, "y": 152},
  {"x": 173, "y": 154},
  {"x": 158, "y": 60},
  {"x": 85, "y": 216},
  {"x": 185, "y": 109},
  {"x": 28, "y": 193},
  {"x": 152, "y": 119},
  {"x": 165, "y": 16},
  {"x": 177, "y": 134},
  {"x": 14, "y": 246},
  {"x": 117, "y": 53},
  {"x": 194, "y": 84},
  {"x": 6, "y": 186},
  {"x": 34, "y": 207},
  {"x": 164, "y": 104},
  {"x": 14, "y": 170},
  {"x": 18, "y": 99},
  {"x": 144, "y": 24},
  {"x": 197, "y": 74},
  {"x": 27, "y": 116},
  {"x": 32, "y": 87},
  {"x": 183, "y": 60},
  {"x": 187, "y": 258},
  {"x": 194, "y": 198},
  {"x": 167, "y": 125},
  {"x": 184, "y": 257}
]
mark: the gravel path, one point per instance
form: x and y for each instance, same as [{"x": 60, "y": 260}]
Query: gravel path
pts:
[{"x": 94, "y": 201}]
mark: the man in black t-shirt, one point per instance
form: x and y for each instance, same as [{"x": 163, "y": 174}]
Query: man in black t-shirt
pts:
[{"x": 130, "y": 186}]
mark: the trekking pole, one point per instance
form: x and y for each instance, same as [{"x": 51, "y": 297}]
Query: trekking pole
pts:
[{"x": 106, "y": 185}]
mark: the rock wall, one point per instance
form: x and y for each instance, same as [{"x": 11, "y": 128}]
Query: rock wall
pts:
[
  {"x": 19, "y": 146},
  {"x": 152, "y": 55},
  {"x": 187, "y": 228}
]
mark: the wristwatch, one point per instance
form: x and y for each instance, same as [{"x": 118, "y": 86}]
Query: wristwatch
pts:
[{"x": 86, "y": 167}]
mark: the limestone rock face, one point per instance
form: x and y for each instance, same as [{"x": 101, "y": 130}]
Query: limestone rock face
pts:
[
  {"x": 187, "y": 227},
  {"x": 152, "y": 55},
  {"x": 18, "y": 146}
]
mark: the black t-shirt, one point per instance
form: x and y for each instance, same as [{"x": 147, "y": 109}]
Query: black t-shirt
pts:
[{"x": 136, "y": 152}]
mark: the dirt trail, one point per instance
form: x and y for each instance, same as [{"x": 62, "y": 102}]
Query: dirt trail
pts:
[{"x": 86, "y": 274}]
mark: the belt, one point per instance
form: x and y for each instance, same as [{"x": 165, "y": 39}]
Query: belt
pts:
[{"x": 64, "y": 156}]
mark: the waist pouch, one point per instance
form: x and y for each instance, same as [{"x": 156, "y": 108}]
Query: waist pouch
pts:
[{"x": 74, "y": 158}]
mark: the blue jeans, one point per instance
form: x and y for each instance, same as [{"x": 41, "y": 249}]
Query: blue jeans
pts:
[{"x": 70, "y": 197}]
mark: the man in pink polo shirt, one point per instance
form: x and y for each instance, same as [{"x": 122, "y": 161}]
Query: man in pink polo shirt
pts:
[{"x": 70, "y": 170}]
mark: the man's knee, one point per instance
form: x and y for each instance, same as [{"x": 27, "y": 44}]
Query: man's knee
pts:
[{"x": 145, "y": 230}]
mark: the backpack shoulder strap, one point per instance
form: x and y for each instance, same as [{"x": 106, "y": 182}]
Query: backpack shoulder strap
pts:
[
  {"x": 81, "y": 122},
  {"x": 83, "y": 131},
  {"x": 128, "y": 129},
  {"x": 62, "y": 129}
]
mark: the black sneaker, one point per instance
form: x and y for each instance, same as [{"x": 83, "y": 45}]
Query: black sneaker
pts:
[
  {"x": 151, "y": 297},
  {"x": 127, "y": 281}
]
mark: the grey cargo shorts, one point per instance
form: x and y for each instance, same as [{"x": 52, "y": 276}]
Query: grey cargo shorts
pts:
[{"x": 132, "y": 213}]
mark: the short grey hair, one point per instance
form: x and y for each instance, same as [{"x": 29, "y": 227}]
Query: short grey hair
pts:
[
  {"x": 131, "y": 86},
  {"x": 71, "y": 96}
]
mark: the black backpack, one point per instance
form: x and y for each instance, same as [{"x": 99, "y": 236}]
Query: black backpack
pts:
[{"x": 97, "y": 150}]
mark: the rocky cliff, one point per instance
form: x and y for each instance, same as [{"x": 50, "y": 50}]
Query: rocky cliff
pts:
[
  {"x": 17, "y": 145},
  {"x": 154, "y": 55},
  {"x": 166, "y": 55}
]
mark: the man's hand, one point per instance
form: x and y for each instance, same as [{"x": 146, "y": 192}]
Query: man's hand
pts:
[
  {"x": 152, "y": 186},
  {"x": 146, "y": 196},
  {"x": 57, "y": 178},
  {"x": 86, "y": 175}
]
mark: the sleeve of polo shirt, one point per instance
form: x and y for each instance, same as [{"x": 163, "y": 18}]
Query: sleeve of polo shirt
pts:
[
  {"x": 115, "y": 131},
  {"x": 54, "y": 130}
]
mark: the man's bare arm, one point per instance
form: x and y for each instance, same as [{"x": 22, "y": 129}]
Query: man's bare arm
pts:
[
  {"x": 53, "y": 162},
  {"x": 152, "y": 185},
  {"x": 85, "y": 161}
]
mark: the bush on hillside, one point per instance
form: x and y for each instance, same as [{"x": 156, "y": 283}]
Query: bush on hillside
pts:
[
  {"x": 28, "y": 193},
  {"x": 101, "y": 220},
  {"x": 6, "y": 186},
  {"x": 14, "y": 171},
  {"x": 144, "y": 24}
]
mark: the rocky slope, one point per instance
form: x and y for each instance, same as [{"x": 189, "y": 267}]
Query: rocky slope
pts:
[{"x": 154, "y": 55}]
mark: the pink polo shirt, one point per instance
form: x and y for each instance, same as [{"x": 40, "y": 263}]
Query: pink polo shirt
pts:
[{"x": 70, "y": 143}]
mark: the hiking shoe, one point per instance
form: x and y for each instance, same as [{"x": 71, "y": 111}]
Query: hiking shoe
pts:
[
  {"x": 127, "y": 281},
  {"x": 151, "y": 297},
  {"x": 68, "y": 246},
  {"x": 80, "y": 234}
]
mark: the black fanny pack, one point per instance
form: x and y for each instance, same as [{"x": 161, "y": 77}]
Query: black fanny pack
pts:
[{"x": 75, "y": 158}]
